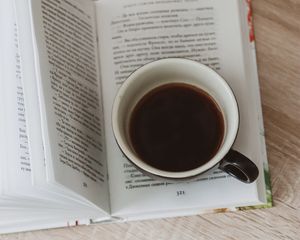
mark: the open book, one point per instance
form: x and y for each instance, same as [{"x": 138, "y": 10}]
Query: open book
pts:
[{"x": 64, "y": 62}]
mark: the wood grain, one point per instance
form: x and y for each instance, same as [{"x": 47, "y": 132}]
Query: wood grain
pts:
[{"x": 278, "y": 50}]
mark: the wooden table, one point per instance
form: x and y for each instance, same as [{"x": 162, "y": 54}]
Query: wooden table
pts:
[{"x": 277, "y": 28}]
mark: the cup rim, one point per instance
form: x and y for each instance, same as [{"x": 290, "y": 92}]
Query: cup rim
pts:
[{"x": 223, "y": 150}]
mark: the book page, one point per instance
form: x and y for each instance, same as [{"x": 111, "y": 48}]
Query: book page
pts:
[
  {"x": 50, "y": 193},
  {"x": 31, "y": 102},
  {"x": 19, "y": 161},
  {"x": 258, "y": 133},
  {"x": 16, "y": 161},
  {"x": 2, "y": 105},
  {"x": 69, "y": 94},
  {"x": 133, "y": 33},
  {"x": 16, "y": 169}
]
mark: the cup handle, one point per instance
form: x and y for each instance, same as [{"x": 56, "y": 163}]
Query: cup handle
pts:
[{"x": 239, "y": 166}]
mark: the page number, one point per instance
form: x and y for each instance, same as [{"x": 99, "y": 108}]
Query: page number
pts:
[{"x": 180, "y": 193}]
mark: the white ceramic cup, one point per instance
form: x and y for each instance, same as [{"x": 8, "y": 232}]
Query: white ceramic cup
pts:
[{"x": 179, "y": 70}]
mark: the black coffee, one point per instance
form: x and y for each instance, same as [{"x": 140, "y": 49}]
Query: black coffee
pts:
[{"x": 176, "y": 127}]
